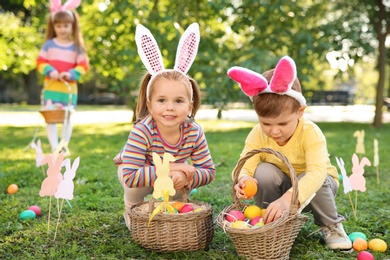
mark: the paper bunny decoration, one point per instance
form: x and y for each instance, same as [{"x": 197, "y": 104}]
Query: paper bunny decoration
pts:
[
  {"x": 150, "y": 54},
  {"x": 346, "y": 183},
  {"x": 360, "y": 142},
  {"x": 38, "y": 153},
  {"x": 357, "y": 179},
  {"x": 54, "y": 177},
  {"x": 66, "y": 186},
  {"x": 163, "y": 181},
  {"x": 253, "y": 83}
]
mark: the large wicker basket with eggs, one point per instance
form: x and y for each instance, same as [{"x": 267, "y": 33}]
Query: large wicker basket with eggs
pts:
[
  {"x": 172, "y": 232},
  {"x": 274, "y": 240}
]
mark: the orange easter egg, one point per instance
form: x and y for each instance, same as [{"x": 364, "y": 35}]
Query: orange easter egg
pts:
[{"x": 13, "y": 188}]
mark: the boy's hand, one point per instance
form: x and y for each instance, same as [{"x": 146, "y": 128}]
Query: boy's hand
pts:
[
  {"x": 275, "y": 209},
  {"x": 179, "y": 179},
  {"x": 64, "y": 76},
  {"x": 54, "y": 75},
  {"x": 187, "y": 169},
  {"x": 240, "y": 185}
]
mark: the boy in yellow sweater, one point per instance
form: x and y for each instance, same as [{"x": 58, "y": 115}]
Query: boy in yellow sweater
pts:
[{"x": 279, "y": 105}]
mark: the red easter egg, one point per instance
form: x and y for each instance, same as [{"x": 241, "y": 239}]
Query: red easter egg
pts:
[
  {"x": 36, "y": 209},
  {"x": 364, "y": 255},
  {"x": 234, "y": 215},
  {"x": 186, "y": 208},
  {"x": 255, "y": 220}
]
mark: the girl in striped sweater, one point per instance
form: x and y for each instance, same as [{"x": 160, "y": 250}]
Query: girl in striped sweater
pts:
[
  {"x": 167, "y": 103},
  {"x": 62, "y": 60}
]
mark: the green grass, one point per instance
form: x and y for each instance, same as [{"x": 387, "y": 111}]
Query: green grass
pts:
[{"x": 92, "y": 227}]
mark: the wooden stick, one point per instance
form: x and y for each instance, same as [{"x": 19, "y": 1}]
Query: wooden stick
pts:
[
  {"x": 58, "y": 220},
  {"x": 48, "y": 217},
  {"x": 353, "y": 209},
  {"x": 377, "y": 175}
]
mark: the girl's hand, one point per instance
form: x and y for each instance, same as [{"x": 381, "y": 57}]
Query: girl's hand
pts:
[
  {"x": 187, "y": 169},
  {"x": 275, "y": 209},
  {"x": 240, "y": 185},
  {"x": 54, "y": 75},
  {"x": 179, "y": 179},
  {"x": 64, "y": 76}
]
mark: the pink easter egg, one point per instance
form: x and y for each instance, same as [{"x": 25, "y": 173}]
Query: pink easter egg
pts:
[
  {"x": 186, "y": 208},
  {"x": 36, "y": 209},
  {"x": 234, "y": 215},
  {"x": 255, "y": 220},
  {"x": 364, "y": 255}
]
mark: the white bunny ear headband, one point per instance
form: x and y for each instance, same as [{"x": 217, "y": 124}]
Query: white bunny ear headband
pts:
[
  {"x": 56, "y": 6},
  {"x": 252, "y": 83},
  {"x": 151, "y": 56}
]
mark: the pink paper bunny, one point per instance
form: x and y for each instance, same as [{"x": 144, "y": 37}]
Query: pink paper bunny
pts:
[
  {"x": 39, "y": 153},
  {"x": 357, "y": 179},
  {"x": 66, "y": 187},
  {"x": 54, "y": 176}
]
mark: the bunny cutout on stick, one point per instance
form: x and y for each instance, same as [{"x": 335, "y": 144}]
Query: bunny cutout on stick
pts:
[
  {"x": 253, "y": 83},
  {"x": 163, "y": 181},
  {"x": 66, "y": 186},
  {"x": 359, "y": 142},
  {"x": 346, "y": 183},
  {"x": 150, "y": 53},
  {"x": 38, "y": 153},
  {"x": 357, "y": 179},
  {"x": 54, "y": 177}
]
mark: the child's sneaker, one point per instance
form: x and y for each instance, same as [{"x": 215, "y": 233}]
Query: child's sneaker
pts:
[{"x": 335, "y": 237}]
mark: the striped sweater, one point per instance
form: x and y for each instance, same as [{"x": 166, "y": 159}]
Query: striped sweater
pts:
[
  {"x": 61, "y": 57},
  {"x": 144, "y": 139}
]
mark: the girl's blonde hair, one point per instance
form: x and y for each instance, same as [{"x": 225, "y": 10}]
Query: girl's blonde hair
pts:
[
  {"x": 142, "y": 109},
  {"x": 271, "y": 104},
  {"x": 65, "y": 17}
]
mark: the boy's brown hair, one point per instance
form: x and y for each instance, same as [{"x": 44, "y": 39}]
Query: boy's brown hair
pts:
[{"x": 272, "y": 104}]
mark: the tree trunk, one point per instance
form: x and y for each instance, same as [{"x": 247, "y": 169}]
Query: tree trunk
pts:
[{"x": 32, "y": 87}]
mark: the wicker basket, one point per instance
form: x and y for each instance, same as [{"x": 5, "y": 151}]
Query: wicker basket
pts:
[
  {"x": 172, "y": 232},
  {"x": 275, "y": 239}
]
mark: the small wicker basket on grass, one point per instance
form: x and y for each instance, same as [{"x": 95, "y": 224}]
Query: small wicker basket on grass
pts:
[
  {"x": 170, "y": 232},
  {"x": 275, "y": 239}
]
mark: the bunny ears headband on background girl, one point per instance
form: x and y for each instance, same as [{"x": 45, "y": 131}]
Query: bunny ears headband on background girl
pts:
[
  {"x": 252, "y": 83},
  {"x": 151, "y": 56},
  {"x": 56, "y": 6}
]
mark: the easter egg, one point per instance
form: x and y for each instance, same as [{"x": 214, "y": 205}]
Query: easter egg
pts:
[
  {"x": 240, "y": 224},
  {"x": 198, "y": 209},
  {"x": 360, "y": 244},
  {"x": 186, "y": 208},
  {"x": 194, "y": 191},
  {"x": 36, "y": 209},
  {"x": 260, "y": 223},
  {"x": 27, "y": 214},
  {"x": 355, "y": 235},
  {"x": 13, "y": 188},
  {"x": 250, "y": 188},
  {"x": 234, "y": 215},
  {"x": 377, "y": 245},
  {"x": 178, "y": 205},
  {"x": 364, "y": 255},
  {"x": 252, "y": 211},
  {"x": 255, "y": 220}
]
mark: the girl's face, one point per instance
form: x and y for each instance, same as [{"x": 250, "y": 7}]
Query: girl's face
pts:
[
  {"x": 281, "y": 128},
  {"x": 169, "y": 103},
  {"x": 63, "y": 30}
]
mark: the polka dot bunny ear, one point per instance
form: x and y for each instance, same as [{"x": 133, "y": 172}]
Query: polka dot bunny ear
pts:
[
  {"x": 252, "y": 83},
  {"x": 187, "y": 48}
]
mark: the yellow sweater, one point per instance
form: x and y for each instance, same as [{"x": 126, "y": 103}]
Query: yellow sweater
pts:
[{"x": 306, "y": 151}]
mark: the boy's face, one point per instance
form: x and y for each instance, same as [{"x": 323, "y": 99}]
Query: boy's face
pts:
[{"x": 282, "y": 127}]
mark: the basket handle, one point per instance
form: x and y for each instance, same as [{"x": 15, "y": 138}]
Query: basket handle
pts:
[
  {"x": 184, "y": 199},
  {"x": 293, "y": 176}
]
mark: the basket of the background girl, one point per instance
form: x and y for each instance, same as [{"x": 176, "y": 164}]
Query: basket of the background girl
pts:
[
  {"x": 172, "y": 232},
  {"x": 56, "y": 113},
  {"x": 274, "y": 240}
]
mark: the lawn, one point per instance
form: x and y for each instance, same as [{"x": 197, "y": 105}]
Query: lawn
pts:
[{"x": 92, "y": 226}]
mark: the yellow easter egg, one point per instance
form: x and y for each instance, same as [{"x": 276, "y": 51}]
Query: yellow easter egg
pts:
[
  {"x": 240, "y": 224},
  {"x": 252, "y": 211},
  {"x": 377, "y": 245},
  {"x": 197, "y": 209}
]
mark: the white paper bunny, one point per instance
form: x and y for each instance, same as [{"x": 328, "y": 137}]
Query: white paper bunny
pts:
[
  {"x": 163, "y": 181},
  {"x": 54, "y": 177},
  {"x": 346, "y": 182},
  {"x": 38, "y": 152},
  {"x": 357, "y": 179},
  {"x": 66, "y": 187}
]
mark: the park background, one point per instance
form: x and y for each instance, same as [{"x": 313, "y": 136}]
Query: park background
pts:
[{"x": 337, "y": 45}]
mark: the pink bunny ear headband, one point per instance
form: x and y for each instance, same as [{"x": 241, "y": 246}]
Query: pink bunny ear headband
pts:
[
  {"x": 151, "y": 56},
  {"x": 252, "y": 83},
  {"x": 56, "y": 6}
]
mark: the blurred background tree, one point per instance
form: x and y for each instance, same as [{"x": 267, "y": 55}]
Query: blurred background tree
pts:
[{"x": 337, "y": 45}]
